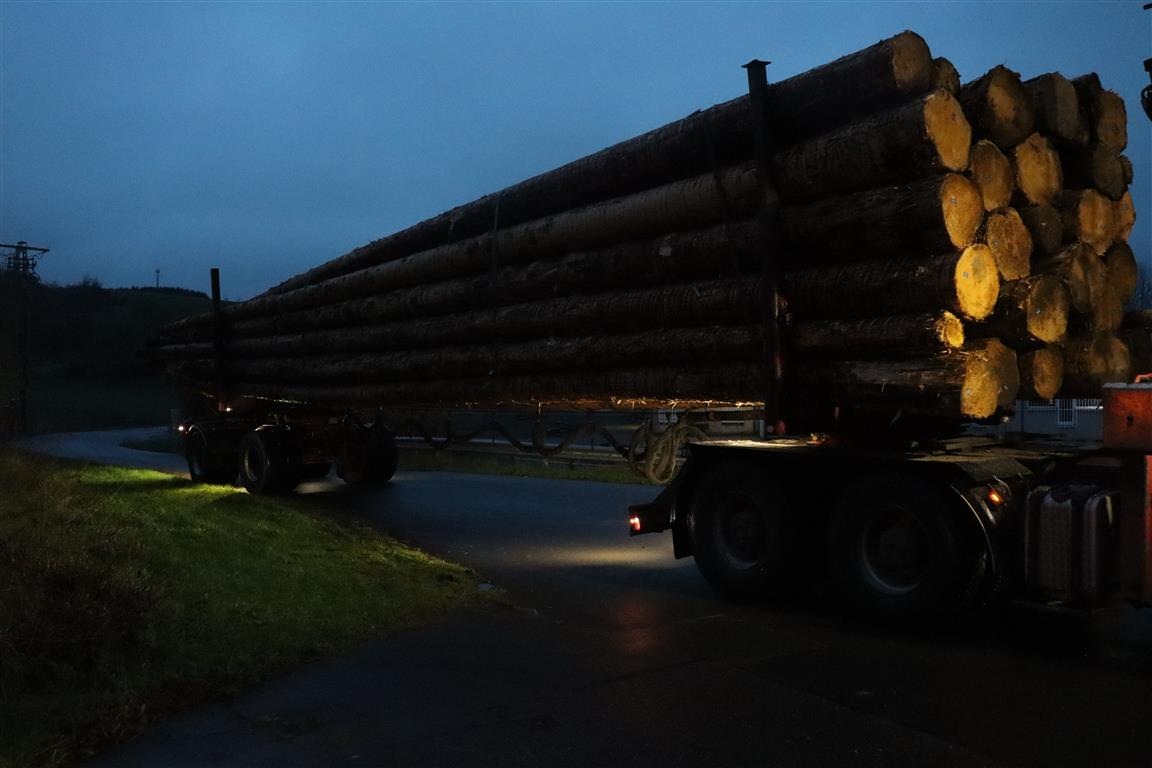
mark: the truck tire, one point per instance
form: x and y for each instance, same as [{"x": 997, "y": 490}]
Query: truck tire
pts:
[
  {"x": 742, "y": 533},
  {"x": 264, "y": 468},
  {"x": 898, "y": 550},
  {"x": 206, "y": 464},
  {"x": 367, "y": 456}
]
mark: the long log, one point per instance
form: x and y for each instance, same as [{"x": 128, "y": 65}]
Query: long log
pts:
[
  {"x": 1094, "y": 167},
  {"x": 993, "y": 173},
  {"x": 1045, "y": 226},
  {"x": 692, "y": 256},
  {"x": 999, "y": 107},
  {"x": 1058, "y": 112},
  {"x": 488, "y": 357},
  {"x": 970, "y": 383},
  {"x": 936, "y": 214},
  {"x": 1089, "y": 217},
  {"x": 1009, "y": 241},
  {"x": 1104, "y": 112},
  {"x": 1030, "y": 313},
  {"x": 699, "y": 202},
  {"x": 1124, "y": 216},
  {"x": 1039, "y": 175},
  {"x": 922, "y": 137},
  {"x": 1123, "y": 272},
  {"x": 1090, "y": 362},
  {"x": 894, "y": 337},
  {"x": 732, "y": 301},
  {"x": 965, "y": 283},
  {"x": 1041, "y": 373},
  {"x": 808, "y": 104}
]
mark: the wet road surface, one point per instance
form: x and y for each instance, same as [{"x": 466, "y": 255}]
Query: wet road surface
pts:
[{"x": 616, "y": 654}]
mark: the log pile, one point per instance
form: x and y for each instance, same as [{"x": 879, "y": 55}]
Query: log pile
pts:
[{"x": 939, "y": 248}]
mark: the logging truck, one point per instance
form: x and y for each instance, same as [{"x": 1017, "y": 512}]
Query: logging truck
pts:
[{"x": 870, "y": 252}]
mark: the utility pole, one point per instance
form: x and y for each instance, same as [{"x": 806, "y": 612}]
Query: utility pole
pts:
[
  {"x": 20, "y": 272},
  {"x": 157, "y": 277}
]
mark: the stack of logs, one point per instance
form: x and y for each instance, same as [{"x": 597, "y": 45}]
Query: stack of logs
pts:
[{"x": 940, "y": 249}]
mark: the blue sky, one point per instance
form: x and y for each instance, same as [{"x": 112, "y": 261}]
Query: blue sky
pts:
[{"x": 266, "y": 138}]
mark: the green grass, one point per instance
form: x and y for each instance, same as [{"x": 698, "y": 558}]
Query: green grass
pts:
[{"x": 127, "y": 594}]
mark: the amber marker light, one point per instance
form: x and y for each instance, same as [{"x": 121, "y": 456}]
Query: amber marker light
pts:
[
  {"x": 635, "y": 524},
  {"x": 995, "y": 497}
]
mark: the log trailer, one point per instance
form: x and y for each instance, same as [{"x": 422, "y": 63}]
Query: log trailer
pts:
[{"x": 551, "y": 307}]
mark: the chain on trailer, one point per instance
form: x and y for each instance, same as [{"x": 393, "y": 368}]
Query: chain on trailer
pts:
[{"x": 650, "y": 453}]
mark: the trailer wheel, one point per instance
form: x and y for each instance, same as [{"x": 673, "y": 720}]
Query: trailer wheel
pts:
[
  {"x": 206, "y": 465},
  {"x": 367, "y": 456},
  {"x": 263, "y": 466},
  {"x": 742, "y": 533},
  {"x": 898, "y": 550}
]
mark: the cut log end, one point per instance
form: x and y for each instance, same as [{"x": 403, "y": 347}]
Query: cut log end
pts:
[
  {"x": 1092, "y": 361},
  {"x": 945, "y": 76},
  {"x": 977, "y": 282},
  {"x": 950, "y": 330},
  {"x": 1124, "y": 216},
  {"x": 993, "y": 173},
  {"x": 1010, "y": 243},
  {"x": 1047, "y": 308},
  {"x": 1123, "y": 273},
  {"x": 911, "y": 62},
  {"x": 991, "y": 379},
  {"x": 963, "y": 209},
  {"x": 1041, "y": 373},
  {"x": 1090, "y": 218},
  {"x": 948, "y": 129},
  {"x": 1058, "y": 110},
  {"x": 1000, "y": 107},
  {"x": 1111, "y": 120},
  {"x": 1039, "y": 174}
]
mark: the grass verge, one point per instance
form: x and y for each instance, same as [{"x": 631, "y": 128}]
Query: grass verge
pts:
[{"x": 127, "y": 594}]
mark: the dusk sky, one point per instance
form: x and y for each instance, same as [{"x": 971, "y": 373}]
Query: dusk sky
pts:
[{"x": 266, "y": 138}]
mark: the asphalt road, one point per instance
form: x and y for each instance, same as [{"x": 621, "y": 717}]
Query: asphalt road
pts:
[{"x": 619, "y": 655}]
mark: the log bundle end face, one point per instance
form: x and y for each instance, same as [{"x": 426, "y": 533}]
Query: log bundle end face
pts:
[
  {"x": 1124, "y": 216},
  {"x": 1045, "y": 226},
  {"x": 991, "y": 379},
  {"x": 1000, "y": 107},
  {"x": 1047, "y": 307},
  {"x": 1058, "y": 111},
  {"x": 948, "y": 130},
  {"x": 1041, "y": 373},
  {"x": 1122, "y": 270},
  {"x": 1039, "y": 174},
  {"x": 1090, "y": 218},
  {"x": 977, "y": 282},
  {"x": 945, "y": 76}
]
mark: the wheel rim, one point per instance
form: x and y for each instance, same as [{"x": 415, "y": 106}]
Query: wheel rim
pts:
[
  {"x": 252, "y": 464},
  {"x": 741, "y": 534},
  {"x": 196, "y": 458},
  {"x": 895, "y": 552}
]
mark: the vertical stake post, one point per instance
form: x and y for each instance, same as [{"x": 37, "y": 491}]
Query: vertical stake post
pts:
[
  {"x": 768, "y": 217},
  {"x": 218, "y": 342}
]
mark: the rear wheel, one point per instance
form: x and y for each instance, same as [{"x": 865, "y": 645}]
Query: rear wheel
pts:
[
  {"x": 742, "y": 534},
  {"x": 205, "y": 464},
  {"x": 264, "y": 467},
  {"x": 898, "y": 549}
]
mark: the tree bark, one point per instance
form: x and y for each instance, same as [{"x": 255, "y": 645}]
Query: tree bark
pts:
[
  {"x": 965, "y": 283},
  {"x": 734, "y": 301},
  {"x": 993, "y": 173},
  {"x": 1010, "y": 243},
  {"x": 1030, "y": 313},
  {"x": 808, "y": 104},
  {"x": 1039, "y": 176},
  {"x": 1104, "y": 111},
  {"x": 894, "y": 337},
  {"x": 1045, "y": 226},
  {"x": 1058, "y": 112},
  {"x": 999, "y": 107},
  {"x": 932, "y": 215},
  {"x": 1089, "y": 217},
  {"x": 923, "y": 137},
  {"x": 1123, "y": 274},
  {"x": 1092, "y": 361},
  {"x": 1041, "y": 373},
  {"x": 1095, "y": 167}
]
